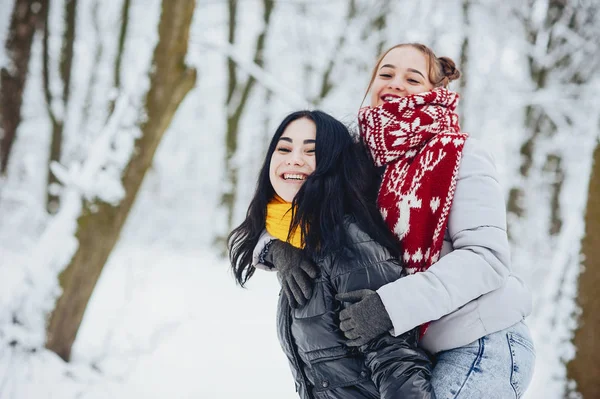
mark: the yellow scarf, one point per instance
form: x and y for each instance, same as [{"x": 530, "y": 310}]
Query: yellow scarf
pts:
[{"x": 279, "y": 219}]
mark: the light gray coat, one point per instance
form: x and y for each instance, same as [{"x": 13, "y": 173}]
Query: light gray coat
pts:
[{"x": 472, "y": 290}]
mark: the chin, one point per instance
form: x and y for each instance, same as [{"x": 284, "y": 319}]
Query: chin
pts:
[{"x": 288, "y": 198}]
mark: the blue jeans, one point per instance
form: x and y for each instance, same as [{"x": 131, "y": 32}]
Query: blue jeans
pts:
[{"x": 499, "y": 365}]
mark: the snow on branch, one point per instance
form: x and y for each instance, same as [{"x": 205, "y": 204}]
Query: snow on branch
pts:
[
  {"x": 266, "y": 79},
  {"x": 57, "y": 244}
]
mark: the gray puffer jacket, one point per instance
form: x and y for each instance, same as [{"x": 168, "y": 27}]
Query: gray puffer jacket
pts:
[{"x": 322, "y": 365}]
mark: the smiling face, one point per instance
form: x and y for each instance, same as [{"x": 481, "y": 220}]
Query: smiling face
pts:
[
  {"x": 294, "y": 158},
  {"x": 402, "y": 71}
]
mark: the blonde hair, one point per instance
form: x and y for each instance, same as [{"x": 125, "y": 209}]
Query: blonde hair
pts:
[{"x": 442, "y": 70}]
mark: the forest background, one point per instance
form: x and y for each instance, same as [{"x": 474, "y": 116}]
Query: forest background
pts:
[{"x": 131, "y": 133}]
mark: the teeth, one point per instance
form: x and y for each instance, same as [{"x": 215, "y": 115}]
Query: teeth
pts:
[
  {"x": 389, "y": 98},
  {"x": 289, "y": 176}
]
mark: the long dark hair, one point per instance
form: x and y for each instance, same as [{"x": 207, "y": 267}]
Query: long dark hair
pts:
[{"x": 344, "y": 184}]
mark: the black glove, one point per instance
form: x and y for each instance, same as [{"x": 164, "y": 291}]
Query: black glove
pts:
[
  {"x": 365, "y": 319},
  {"x": 296, "y": 272}
]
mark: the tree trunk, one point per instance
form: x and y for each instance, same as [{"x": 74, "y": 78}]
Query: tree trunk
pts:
[
  {"x": 99, "y": 231},
  {"x": 66, "y": 62},
  {"x": 578, "y": 18},
  {"x": 327, "y": 83},
  {"x": 585, "y": 367},
  {"x": 122, "y": 36},
  {"x": 26, "y": 18},
  {"x": 238, "y": 95}
]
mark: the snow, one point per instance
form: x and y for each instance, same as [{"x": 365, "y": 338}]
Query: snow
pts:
[
  {"x": 166, "y": 318},
  {"x": 163, "y": 325},
  {"x": 179, "y": 326}
]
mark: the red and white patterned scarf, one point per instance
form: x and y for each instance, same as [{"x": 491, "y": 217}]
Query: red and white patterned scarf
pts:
[{"x": 419, "y": 141}]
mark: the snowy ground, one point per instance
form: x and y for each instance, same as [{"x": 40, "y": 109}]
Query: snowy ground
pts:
[
  {"x": 165, "y": 324},
  {"x": 178, "y": 327}
]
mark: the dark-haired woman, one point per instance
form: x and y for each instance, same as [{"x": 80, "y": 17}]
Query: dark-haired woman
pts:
[
  {"x": 441, "y": 198},
  {"x": 313, "y": 193}
]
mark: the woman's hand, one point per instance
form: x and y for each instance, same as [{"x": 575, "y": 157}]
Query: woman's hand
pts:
[
  {"x": 296, "y": 272},
  {"x": 365, "y": 319}
]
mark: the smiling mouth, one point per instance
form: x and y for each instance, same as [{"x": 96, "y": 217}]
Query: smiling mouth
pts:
[
  {"x": 388, "y": 98},
  {"x": 294, "y": 177}
]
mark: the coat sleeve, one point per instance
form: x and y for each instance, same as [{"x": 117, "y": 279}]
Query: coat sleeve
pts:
[
  {"x": 259, "y": 255},
  {"x": 398, "y": 367},
  {"x": 480, "y": 260}
]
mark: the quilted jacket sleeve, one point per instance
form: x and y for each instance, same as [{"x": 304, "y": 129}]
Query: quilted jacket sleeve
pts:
[
  {"x": 480, "y": 260},
  {"x": 398, "y": 367}
]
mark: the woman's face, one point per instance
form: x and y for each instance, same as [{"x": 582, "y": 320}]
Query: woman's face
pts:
[
  {"x": 402, "y": 72},
  {"x": 294, "y": 158}
]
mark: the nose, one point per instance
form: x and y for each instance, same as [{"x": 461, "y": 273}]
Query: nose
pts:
[
  {"x": 396, "y": 84},
  {"x": 295, "y": 158}
]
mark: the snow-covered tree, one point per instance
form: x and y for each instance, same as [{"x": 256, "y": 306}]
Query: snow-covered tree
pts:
[
  {"x": 106, "y": 80},
  {"x": 100, "y": 224},
  {"x": 26, "y": 18},
  {"x": 560, "y": 128}
]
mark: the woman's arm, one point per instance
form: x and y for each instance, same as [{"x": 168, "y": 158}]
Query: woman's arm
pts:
[
  {"x": 296, "y": 272},
  {"x": 480, "y": 260},
  {"x": 398, "y": 367}
]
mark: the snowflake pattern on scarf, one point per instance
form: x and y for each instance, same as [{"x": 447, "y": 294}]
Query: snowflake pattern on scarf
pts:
[{"x": 418, "y": 140}]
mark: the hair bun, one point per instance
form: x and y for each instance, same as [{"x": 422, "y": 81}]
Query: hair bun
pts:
[{"x": 449, "y": 69}]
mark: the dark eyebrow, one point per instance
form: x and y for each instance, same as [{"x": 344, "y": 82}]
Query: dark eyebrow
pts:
[
  {"x": 409, "y": 69},
  {"x": 289, "y": 140},
  {"x": 415, "y": 71}
]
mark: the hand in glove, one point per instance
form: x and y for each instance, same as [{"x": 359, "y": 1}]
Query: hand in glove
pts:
[
  {"x": 365, "y": 319},
  {"x": 296, "y": 272}
]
